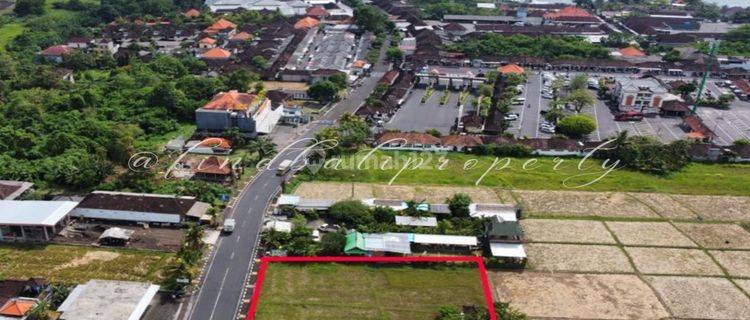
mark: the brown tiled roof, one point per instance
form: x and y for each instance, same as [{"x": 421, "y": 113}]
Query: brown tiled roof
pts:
[
  {"x": 675, "y": 106},
  {"x": 389, "y": 77},
  {"x": 410, "y": 138},
  {"x": 461, "y": 140},
  {"x": 216, "y": 53},
  {"x": 120, "y": 201},
  {"x": 453, "y": 26},
  {"x": 696, "y": 125},
  {"x": 242, "y": 36},
  {"x": 306, "y": 23},
  {"x": 221, "y": 24},
  {"x": 58, "y": 50},
  {"x": 317, "y": 11},
  {"x": 192, "y": 13},
  {"x": 552, "y": 144},
  {"x": 214, "y": 165},
  {"x": 632, "y": 52}
]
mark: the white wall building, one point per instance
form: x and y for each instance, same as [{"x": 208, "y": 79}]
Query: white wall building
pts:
[{"x": 640, "y": 95}]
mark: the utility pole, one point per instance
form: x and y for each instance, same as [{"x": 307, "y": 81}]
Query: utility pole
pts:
[{"x": 711, "y": 55}]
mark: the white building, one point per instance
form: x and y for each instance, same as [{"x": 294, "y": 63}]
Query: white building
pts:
[
  {"x": 640, "y": 95},
  {"x": 106, "y": 299},
  {"x": 286, "y": 8},
  {"x": 33, "y": 220}
]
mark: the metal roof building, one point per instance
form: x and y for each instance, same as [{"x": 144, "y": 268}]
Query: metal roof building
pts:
[
  {"x": 33, "y": 220},
  {"x": 106, "y": 299}
]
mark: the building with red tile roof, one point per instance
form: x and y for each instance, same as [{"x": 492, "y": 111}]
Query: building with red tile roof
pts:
[
  {"x": 571, "y": 15},
  {"x": 232, "y": 100},
  {"x": 216, "y": 54},
  {"x": 317, "y": 12},
  {"x": 511, "y": 69},
  {"x": 17, "y": 307},
  {"x": 215, "y": 169},
  {"x": 192, "y": 13},
  {"x": 56, "y": 52},
  {"x": 242, "y": 36},
  {"x": 306, "y": 23},
  {"x": 221, "y": 26},
  {"x": 631, "y": 52},
  {"x": 248, "y": 112}
]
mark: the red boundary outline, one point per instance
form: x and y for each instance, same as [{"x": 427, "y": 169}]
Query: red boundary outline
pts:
[{"x": 264, "y": 261}]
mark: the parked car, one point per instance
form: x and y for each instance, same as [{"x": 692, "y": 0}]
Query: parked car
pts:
[
  {"x": 629, "y": 116},
  {"x": 546, "y": 129},
  {"x": 511, "y": 117}
]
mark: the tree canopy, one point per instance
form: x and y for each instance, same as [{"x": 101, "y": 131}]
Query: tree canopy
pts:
[{"x": 550, "y": 47}]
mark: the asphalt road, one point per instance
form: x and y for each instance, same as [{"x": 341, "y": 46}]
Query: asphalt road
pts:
[{"x": 224, "y": 281}]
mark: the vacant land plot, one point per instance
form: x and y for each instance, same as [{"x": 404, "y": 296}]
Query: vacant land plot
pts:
[
  {"x": 737, "y": 263},
  {"x": 572, "y": 231},
  {"x": 430, "y": 194},
  {"x": 722, "y": 208},
  {"x": 697, "y": 178},
  {"x": 744, "y": 284},
  {"x": 717, "y": 236},
  {"x": 665, "y": 205},
  {"x": 649, "y": 234},
  {"x": 705, "y": 298},
  {"x": 577, "y": 258},
  {"x": 78, "y": 264},
  {"x": 588, "y": 296},
  {"x": 673, "y": 261},
  {"x": 337, "y": 291},
  {"x": 570, "y": 203}
]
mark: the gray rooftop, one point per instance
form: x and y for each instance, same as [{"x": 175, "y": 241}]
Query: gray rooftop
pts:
[{"x": 106, "y": 299}]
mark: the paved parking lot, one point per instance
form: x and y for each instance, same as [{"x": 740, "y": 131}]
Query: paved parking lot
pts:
[
  {"x": 417, "y": 116},
  {"x": 729, "y": 125}
]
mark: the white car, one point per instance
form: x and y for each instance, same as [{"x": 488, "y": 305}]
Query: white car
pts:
[
  {"x": 511, "y": 117},
  {"x": 547, "y": 129}
]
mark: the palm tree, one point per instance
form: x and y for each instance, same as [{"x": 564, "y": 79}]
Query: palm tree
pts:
[
  {"x": 263, "y": 146},
  {"x": 194, "y": 237}
]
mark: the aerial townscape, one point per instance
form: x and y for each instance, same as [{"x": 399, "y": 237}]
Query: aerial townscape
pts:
[{"x": 374, "y": 159}]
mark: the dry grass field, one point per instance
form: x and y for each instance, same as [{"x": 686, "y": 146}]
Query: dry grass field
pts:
[
  {"x": 571, "y": 203},
  {"x": 673, "y": 261},
  {"x": 582, "y": 296},
  {"x": 703, "y": 298},
  {"x": 577, "y": 258},
  {"x": 737, "y": 263},
  {"x": 430, "y": 194},
  {"x": 573, "y": 231},
  {"x": 722, "y": 208},
  {"x": 665, "y": 205},
  {"x": 717, "y": 236},
  {"x": 649, "y": 234}
]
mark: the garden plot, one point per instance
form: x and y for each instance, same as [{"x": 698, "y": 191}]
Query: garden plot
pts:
[
  {"x": 665, "y": 205},
  {"x": 673, "y": 261},
  {"x": 578, "y": 296},
  {"x": 577, "y": 258},
  {"x": 717, "y": 236},
  {"x": 744, "y": 284},
  {"x": 430, "y": 194},
  {"x": 572, "y": 231},
  {"x": 722, "y": 208},
  {"x": 570, "y": 203},
  {"x": 649, "y": 234},
  {"x": 737, "y": 263},
  {"x": 704, "y": 298}
]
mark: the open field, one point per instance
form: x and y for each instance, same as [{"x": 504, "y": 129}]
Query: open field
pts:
[
  {"x": 571, "y": 203},
  {"x": 697, "y": 178},
  {"x": 665, "y": 205},
  {"x": 737, "y": 263},
  {"x": 649, "y": 234},
  {"x": 577, "y": 258},
  {"x": 705, "y": 298},
  {"x": 729, "y": 208},
  {"x": 673, "y": 261},
  {"x": 573, "y": 231},
  {"x": 431, "y": 194},
  {"x": 78, "y": 264},
  {"x": 587, "y": 296},
  {"x": 717, "y": 236},
  {"x": 356, "y": 291},
  {"x": 8, "y": 32}
]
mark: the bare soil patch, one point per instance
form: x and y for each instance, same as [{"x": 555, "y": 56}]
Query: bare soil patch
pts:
[
  {"x": 89, "y": 257},
  {"x": 649, "y": 234},
  {"x": 673, "y": 261},
  {"x": 588, "y": 296},
  {"x": 723, "y": 208},
  {"x": 577, "y": 258},
  {"x": 430, "y": 194},
  {"x": 154, "y": 238},
  {"x": 664, "y": 205},
  {"x": 737, "y": 263},
  {"x": 572, "y": 203},
  {"x": 704, "y": 298},
  {"x": 717, "y": 236},
  {"x": 744, "y": 284},
  {"x": 576, "y": 231}
]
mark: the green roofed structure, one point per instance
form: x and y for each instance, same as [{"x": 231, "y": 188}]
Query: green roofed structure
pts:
[{"x": 355, "y": 243}]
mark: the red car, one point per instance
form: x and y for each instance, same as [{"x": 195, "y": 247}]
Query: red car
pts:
[{"x": 629, "y": 116}]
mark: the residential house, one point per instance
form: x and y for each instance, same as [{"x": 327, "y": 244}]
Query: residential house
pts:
[
  {"x": 249, "y": 113},
  {"x": 511, "y": 69},
  {"x": 215, "y": 169},
  {"x": 192, "y": 13},
  {"x": 108, "y": 299},
  {"x": 306, "y": 23},
  {"x": 56, "y": 53},
  {"x": 211, "y": 145},
  {"x": 505, "y": 239},
  {"x": 79, "y": 43},
  {"x": 12, "y": 190},
  {"x": 639, "y": 95},
  {"x": 317, "y": 12},
  {"x": 410, "y": 141},
  {"x": 216, "y": 55},
  {"x": 158, "y": 209},
  {"x": 461, "y": 143},
  {"x": 297, "y": 90},
  {"x": 33, "y": 221},
  {"x": 30, "y": 288},
  {"x": 222, "y": 28},
  {"x": 207, "y": 43},
  {"x": 572, "y": 15}
]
